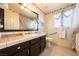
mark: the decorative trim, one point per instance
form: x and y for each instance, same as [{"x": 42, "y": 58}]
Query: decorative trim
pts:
[{"x": 61, "y": 9}]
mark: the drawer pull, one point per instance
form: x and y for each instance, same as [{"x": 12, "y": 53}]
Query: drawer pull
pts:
[
  {"x": 18, "y": 47},
  {"x": 28, "y": 51}
]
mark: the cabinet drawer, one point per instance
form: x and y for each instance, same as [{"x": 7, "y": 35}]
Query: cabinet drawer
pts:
[{"x": 34, "y": 41}]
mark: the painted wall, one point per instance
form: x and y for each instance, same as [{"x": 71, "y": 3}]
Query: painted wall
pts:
[{"x": 49, "y": 24}]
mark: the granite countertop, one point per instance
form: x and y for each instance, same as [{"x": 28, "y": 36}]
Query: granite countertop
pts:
[{"x": 12, "y": 40}]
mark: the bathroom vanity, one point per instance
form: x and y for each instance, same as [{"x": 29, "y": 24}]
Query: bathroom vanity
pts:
[
  {"x": 29, "y": 45},
  {"x": 16, "y": 19}
]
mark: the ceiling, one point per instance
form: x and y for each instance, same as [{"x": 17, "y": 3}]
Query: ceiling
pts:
[{"x": 48, "y": 7}]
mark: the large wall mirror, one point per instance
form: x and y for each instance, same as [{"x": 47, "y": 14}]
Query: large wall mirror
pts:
[{"x": 18, "y": 18}]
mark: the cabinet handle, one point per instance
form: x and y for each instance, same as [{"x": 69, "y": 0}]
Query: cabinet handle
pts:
[
  {"x": 18, "y": 47},
  {"x": 28, "y": 51}
]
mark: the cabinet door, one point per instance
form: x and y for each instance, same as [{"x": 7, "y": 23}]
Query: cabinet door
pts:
[
  {"x": 43, "y": 43},
  {"x": 34, "y": 41},
  {"x": 9, "y": 50},
  {"x": 16, "y": 49},
  {"x": 24, "y": 49},
  {"x": 35, "y": 50},
  {"x": 24, "y": 52}
]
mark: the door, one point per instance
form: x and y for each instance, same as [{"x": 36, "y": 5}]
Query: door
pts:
[
  {"x": 35, "y": 49},
  {"x": 43, "y": 43}
]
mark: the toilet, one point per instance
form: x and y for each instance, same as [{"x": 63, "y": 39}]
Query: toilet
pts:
[{"x": 49, "y": 41}]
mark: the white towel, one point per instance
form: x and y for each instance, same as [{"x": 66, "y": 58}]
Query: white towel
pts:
[{"x": 77, "y": 42}]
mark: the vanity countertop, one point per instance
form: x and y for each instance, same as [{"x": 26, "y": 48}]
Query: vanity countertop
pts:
[{"x": 12, "y": 40}]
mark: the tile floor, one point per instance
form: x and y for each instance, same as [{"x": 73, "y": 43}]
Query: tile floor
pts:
[{"x": 56, "y": 50}]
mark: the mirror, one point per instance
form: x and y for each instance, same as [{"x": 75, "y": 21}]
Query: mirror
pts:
[{"x": 17, "y": 18}]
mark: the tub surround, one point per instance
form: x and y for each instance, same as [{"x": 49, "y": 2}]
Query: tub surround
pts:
[{"x": 16, "y": 39}]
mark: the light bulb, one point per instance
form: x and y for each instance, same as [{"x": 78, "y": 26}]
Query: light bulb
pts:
[
  {"x": 24, "y": 4},
  {"x": 1, "y": 26},
  {"x": 5, "y": 6},
  {"x": 22, "y": 7},
  {"x": 29, "y": 6},
  {"x": 29, "y": 11},
  {"x": 32, "y": 9},
  {"x": 26, "y": 9}
]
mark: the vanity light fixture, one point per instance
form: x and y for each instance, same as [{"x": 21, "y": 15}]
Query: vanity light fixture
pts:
[
  {"x": 26, "y": 7},
  {"x": 22, "y": 7},
  {"x": 24, "y": 4},
  {"x": 4, "y": 5}
]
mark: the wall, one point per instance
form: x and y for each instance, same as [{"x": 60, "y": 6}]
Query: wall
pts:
[{"x": 49, "y": 24}]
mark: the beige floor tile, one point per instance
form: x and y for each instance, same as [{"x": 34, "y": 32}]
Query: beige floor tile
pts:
[
  {"x": 56, "y": 50},
  {"x": 60, "y": 47}
]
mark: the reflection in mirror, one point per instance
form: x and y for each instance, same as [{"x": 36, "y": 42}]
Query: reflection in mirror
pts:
[
  {"x": 17, "y": 18},
  {"x": 27, "y": 23}
]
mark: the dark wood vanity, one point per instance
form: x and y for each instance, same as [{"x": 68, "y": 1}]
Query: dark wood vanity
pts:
[{"x": 28, "y": 48}]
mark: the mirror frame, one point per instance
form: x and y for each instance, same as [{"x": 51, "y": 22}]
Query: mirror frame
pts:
[{"x": 3, "y": 30}]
